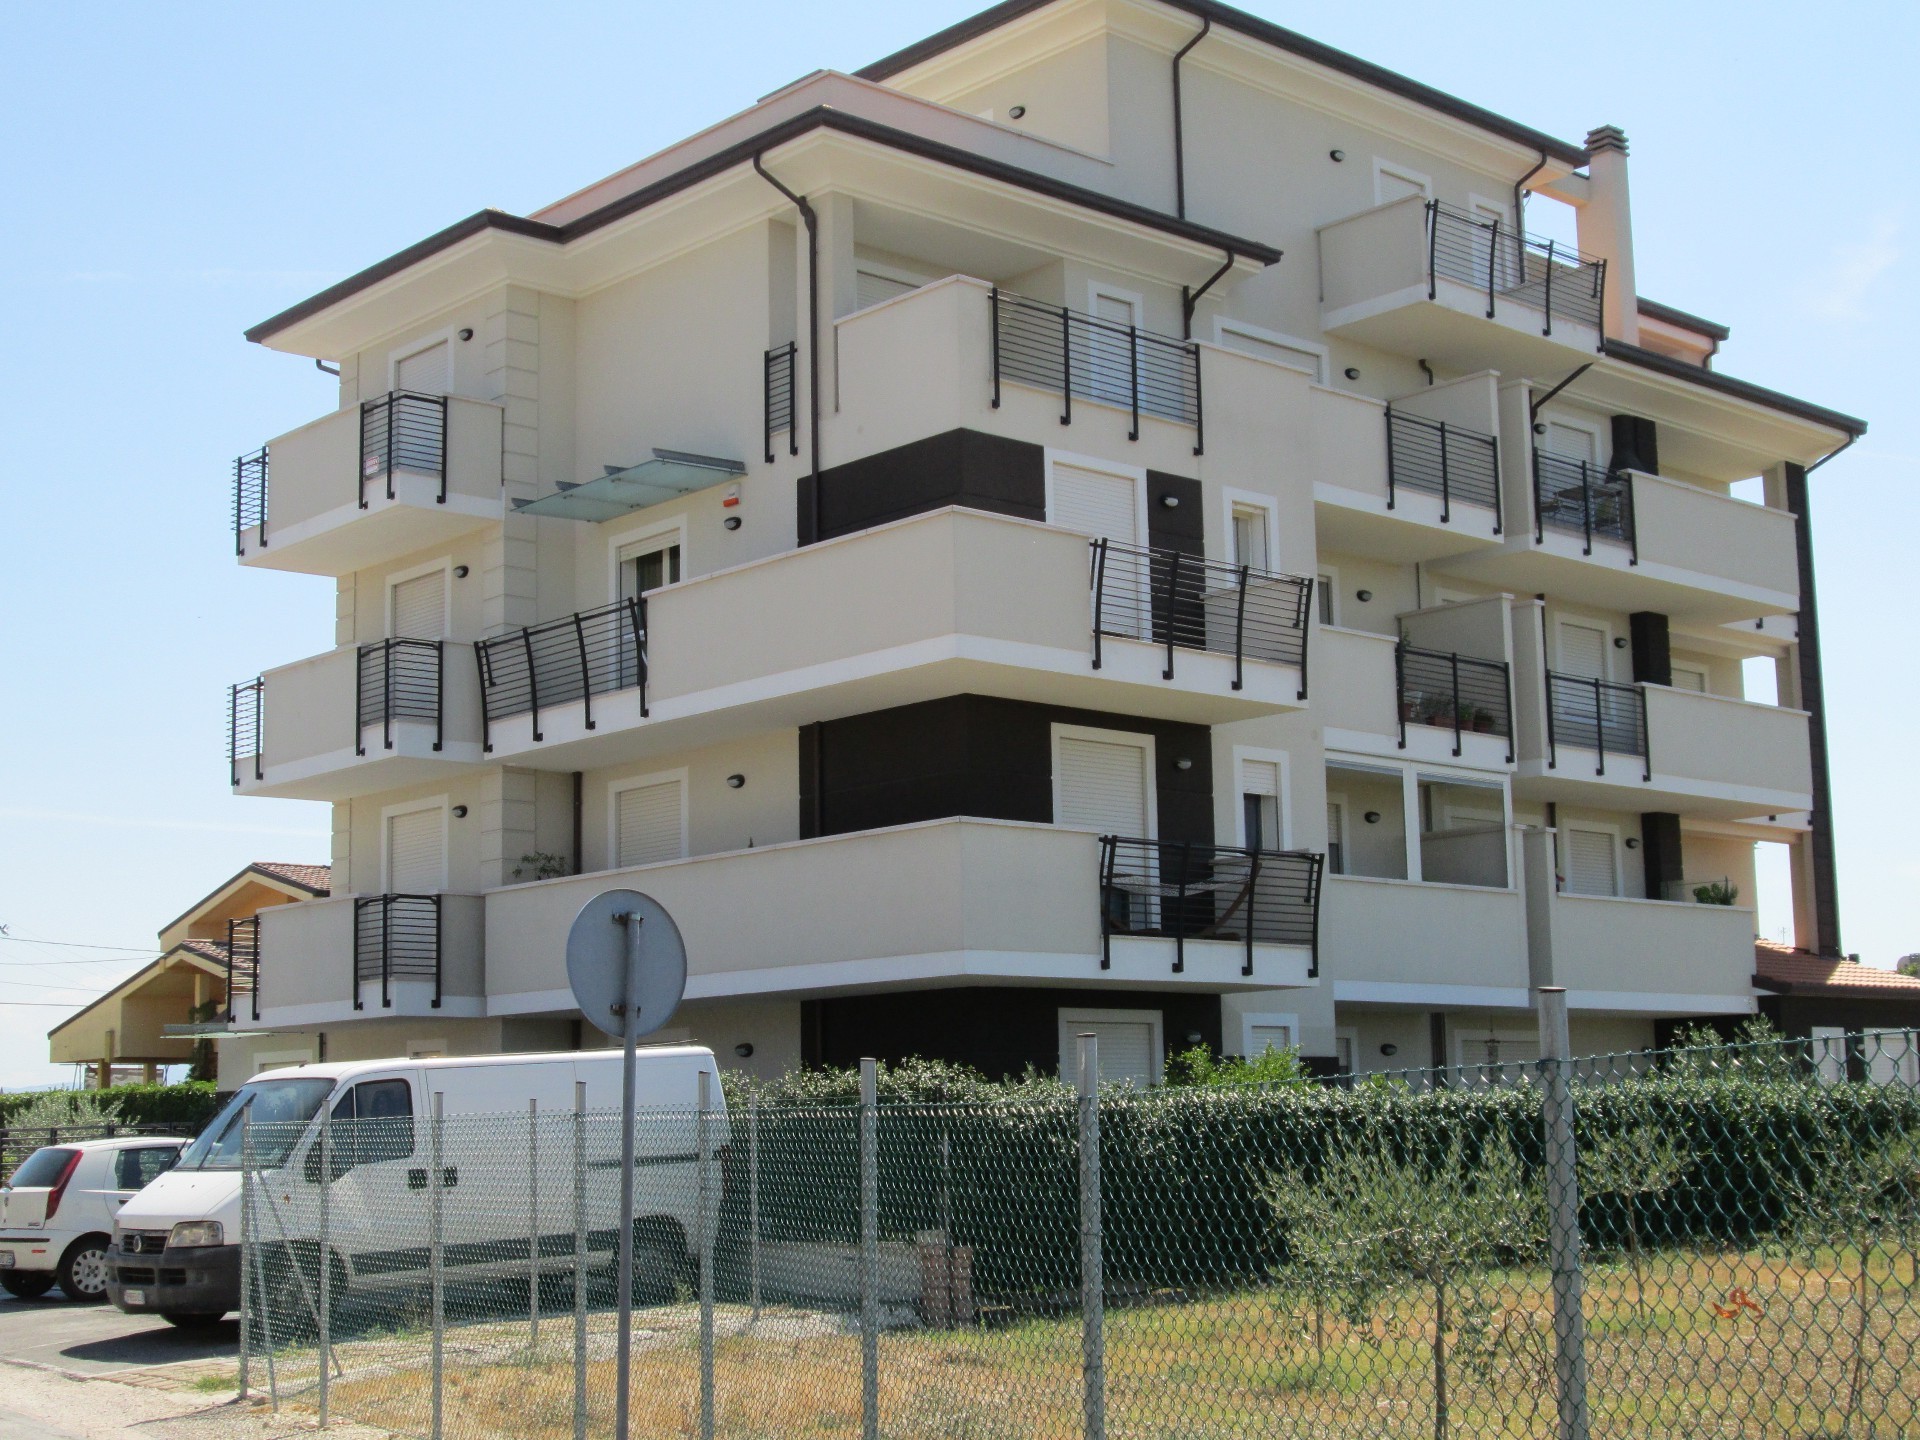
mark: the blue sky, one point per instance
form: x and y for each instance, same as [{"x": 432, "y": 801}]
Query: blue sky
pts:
[{"x": 176, "y": 173}]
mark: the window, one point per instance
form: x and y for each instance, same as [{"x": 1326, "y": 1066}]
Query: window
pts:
[
  {"x": 1395, "y": 182},
  {"x": 136, "y": 1168},
  {"x": 1463, "y": 833},
  {"x": 417, "y": 605},
  {"x": 1583, "y": 650},
  {"x": 1326, "y": 586},
  {"x": 416, "y": 846},
  {"x": 1590, "y": 864},
  {"x": 1102, "y": 780},
  {"x": 1346, "y": 1050},
  {"x": 1302, "y": 355},
  {"x": 425, "y": 371},
  {"x": 381, "y": 1112},
  {"x": 1110, "y": 349},
  {"x": 1108, "y": 504},
  {"x": 1690, "y": 677},
  {"x": 1575, "y": 441},
  {"x": 1260, "y": 1033},
  {"x": 645, "y": 565},
  {"x": 875, "y": 281},
  {"x": 1336, "y": 835},
  {"x": 649, "y": 820},
  {"x": 1374, "y": 828},
  {"x": 1252, "y": 530},
  {"x": 1263, "y": 785},
  {"x": 1130, "y": 1045}
]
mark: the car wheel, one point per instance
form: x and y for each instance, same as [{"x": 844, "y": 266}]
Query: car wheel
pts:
[
  {"x": 659, "y": 1268},
  {"x": 83, "y": 1269},
  {"x": 182, "y": 1321},
  {"x": 26, "y": 1284}
]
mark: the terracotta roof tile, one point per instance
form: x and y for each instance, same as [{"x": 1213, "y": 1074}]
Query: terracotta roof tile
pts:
[
  {"x": 317, "y": 878},
  {"x": 1799, "y": 972},
  {"x": 213, "y": 950}
]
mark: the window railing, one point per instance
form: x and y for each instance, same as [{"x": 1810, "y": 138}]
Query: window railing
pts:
[
  {"x": 1585, "y": 500},
  {"x": 1597, "y": 715},
  {"x": 395, "y": 937},
  {"x": 1444, "y": 460},
  {"x": 1461, "y": 693},
  {"x": 249, "y": 498},
  {"x": 1187, "y": 602},
  {"x": 399, "y": 679},
  {"x": 243, "y": 966},
  {"x": 1510, "y": 264},
  {"x": 403, "y": 431},
  {"x": 1054, "y": 348},
  {"x": 780, "y": 368},
  {"x": 1192, "y": 891},
  {"x": 587, "y": 653},
  {"x": 243, "y": 726}
]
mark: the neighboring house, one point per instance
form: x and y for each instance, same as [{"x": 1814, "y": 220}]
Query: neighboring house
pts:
[
  {"x": 155, "y": 1016},
  {"x": 1822, "y": 996},
  {"x": 997, "y": 562}
]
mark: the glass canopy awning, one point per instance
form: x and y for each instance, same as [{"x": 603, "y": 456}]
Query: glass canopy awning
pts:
[{"x": 669, "y": 475}]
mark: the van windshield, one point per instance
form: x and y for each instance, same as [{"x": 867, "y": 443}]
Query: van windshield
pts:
[{"x": 281, "y": 1110}]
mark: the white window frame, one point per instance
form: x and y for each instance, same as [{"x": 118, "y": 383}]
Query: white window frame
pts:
[
  {"x": 409, "y": 807},
  {"x": 1070, "y": 1019},
  {"x": 1224, "y": 326},
  {"x": 1098, "y": 289},
  {"x": 1280, "y": 759},
  {"x": 1254, "y": 1018},
  {"x": 1269, "y": 508},
  {"x": 414, "y": 347},
  {"x": 675, "y": 527},
  {"x": 1351, "y": 1035},
  {"x": 1337, "y": 802},
  {"x": 1060, "y": 731},
  {"x": 1476, "y": 203},
  {"x": 1589, "y": 622},
  {"x": 1136, "y": 473},
  {"x": 1382, "y": 168},
  {"x": 616, "y": 788},
  {"x": 1706, "y": 676},
  {"x": 1332, "y": 574},
  {"x": 1565, "y": 865},
  {"x": 400, "y": 577}
]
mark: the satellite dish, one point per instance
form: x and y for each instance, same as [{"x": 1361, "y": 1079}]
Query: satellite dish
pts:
[{"x": 597, "y": 963}]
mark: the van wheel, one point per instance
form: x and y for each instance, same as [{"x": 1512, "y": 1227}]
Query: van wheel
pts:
[
  {"x": 83, "y": 1269},
  {"x": 659, "y": 1267},
  {"x": 26, "y": 1284}
]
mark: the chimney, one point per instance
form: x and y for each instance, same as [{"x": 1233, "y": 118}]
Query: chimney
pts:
[{"x": 1606, "y": 228}]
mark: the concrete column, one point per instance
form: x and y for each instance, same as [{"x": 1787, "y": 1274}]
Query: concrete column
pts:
[
  {"x": 506, "y": 812},
  {"x": 510, "y": 334},
  {"x": 105, "y": 1077},
  {"x": 344, "y": 599},
  {"x": 1606, "y": 229},
  {"x": 341, "y": 849},
  {"x": 147, "y": 1073},
  {"x": 1538, "y": 887},
  {"x": 1806, "y": 928}
]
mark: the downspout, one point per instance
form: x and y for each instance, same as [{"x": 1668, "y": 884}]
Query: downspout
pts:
[
  {"x": 1179, "y": 139},
  {"x": 811, "y": 221},
  {"x": 1190, "y": 299},
  {"x": 1520, "y": 194},
  {"x": 579, "y": 813},
  {"x": 326, "y": 369}
]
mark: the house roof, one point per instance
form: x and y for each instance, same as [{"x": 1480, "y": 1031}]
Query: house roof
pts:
[
  {"x": 316, "y": 880},
  {"x": 209, "y": 952},
  {"x": 1252, "y": 26},
  {"x": 1786, "y": 971}
]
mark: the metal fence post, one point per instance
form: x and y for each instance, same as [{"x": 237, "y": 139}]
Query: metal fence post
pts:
[
  {"x": 533, "y": 1224},
  {"x": 1093, "y": 1342},
  {"x": 246, "y": 1233},
  {"x": 869, "y": 1250},
  {"x": 579, "y": 1260},
  {"x": 708, "y": 1201},
  {"x": 323, "y": 1259},
  {"x": 436, "y": 1259},
  {"x": 753, "y": 1206},
  {"x": 1563, "y": 1217}
]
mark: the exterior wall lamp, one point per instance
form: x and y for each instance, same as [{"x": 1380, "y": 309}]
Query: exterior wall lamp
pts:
[
  {"x": 1170, "y": 502},
  {"x": 1363, "y": 596},
  {"x": 459, "y": 812},
  {"x": 1183, "y": 763},
  {"x": 1372, "y": 817},
  {"x": 732, "y": 522},
  {"x": 734, "y": 782},
  {"x": 743, "y": 1050},
  {"x": 460, "y": 572}
]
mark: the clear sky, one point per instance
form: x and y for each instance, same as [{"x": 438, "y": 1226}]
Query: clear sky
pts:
[{"x": 173, "y": 174}]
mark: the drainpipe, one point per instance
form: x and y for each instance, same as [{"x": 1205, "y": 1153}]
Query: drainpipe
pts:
[
  {"x": 579, "y": 811},
  {"x": 1189, "y": 299},
  {"x": 811, "y": 221},
  {"x": 1520, "y": 194},
  {"x": 1179, "y": 141}
]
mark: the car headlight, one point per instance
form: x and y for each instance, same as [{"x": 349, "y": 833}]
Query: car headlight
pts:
[{"x": 196, "y": 1232}]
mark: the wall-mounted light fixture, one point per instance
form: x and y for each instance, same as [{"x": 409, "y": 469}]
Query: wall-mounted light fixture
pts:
[
  {"x": 1183, "y": 763},
  {"x": 466, "y": 332},
  {"x": 459, "y": 812},
  {"x": 1539, "y": 427},
  {"x": 460, "y": 572},
  {"x": 1389, "y": 1049},
  {"x": 1170, "y": 502},
  {"x": 1363, "y": 596},
  {"x": 1017, "y": 112},
  {"x": 1336, "y": 156},
  {"x": 1372, "y": 817},
  {"x": 1632, "y": 843},
  {"x": 1194, "y": 1037},
  {"x": 732, "y": 522},
  {"x": 1352, "y": 372},
  {"x": 743, "y": 1050},
  {"x": 1619, "y": 642},
  {"x": 734, "y": 782}
]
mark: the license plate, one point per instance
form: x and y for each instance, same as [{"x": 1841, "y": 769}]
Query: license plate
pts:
[
  {"x": 6, "y": 1260},
  {"x": 134, "y": 1297}
]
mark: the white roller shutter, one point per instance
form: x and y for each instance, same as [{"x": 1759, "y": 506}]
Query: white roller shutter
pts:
[
  {"x": 1685, "y": 677},
  {"x": 420, "y": 607},
  {"x": 1260, "y": 777},
  {"x": 1096, "y": 503},
  {"x": 871, "y": 289},
  {"x": 1126, "y": 1047},
  {"x": 424, "y": 371},
  {"x": 1573, "y": 442},
  {"x": 1589, "y": 862},
  {"x": 1103, "y": 786},
  {"x": 1262, "y": 1038},
  {"x": 647, "y": 824},
  {"x": 1583, "y": 651},
  {"x": 416, "y": 852}
]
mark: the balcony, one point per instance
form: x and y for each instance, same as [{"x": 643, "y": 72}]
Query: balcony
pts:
[
  {"x": 950, "y": 602},
  {"x": 949, "y": 902},
  {"x": 1190, "y": 892},
  {"x": 1649, "y": 956},
  {"x": 1421, "y": 278},
  {"x": 361, "y": 956},
  {"x": 368, "y": 484},
  {"x": 1387, "y": 941},
  {"x": 355, "y": 721},
  {"x": 243, "y": 970}
]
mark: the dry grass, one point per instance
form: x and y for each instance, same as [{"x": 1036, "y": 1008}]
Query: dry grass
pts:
[{"x": 1687, "y": 1359}]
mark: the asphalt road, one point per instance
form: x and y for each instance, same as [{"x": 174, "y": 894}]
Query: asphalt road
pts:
[{"x": 100, "y": 1340}]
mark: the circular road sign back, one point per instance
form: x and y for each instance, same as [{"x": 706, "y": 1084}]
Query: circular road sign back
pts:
[{"x": 597, "y": 962}]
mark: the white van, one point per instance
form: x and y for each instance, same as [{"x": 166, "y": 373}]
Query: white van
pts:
[{"x": 176, "y": 1249}]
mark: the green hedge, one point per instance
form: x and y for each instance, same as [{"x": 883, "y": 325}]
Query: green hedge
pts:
[{"x": 191, "y": 1103}]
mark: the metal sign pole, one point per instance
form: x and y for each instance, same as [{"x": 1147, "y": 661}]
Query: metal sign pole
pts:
[{"x": 630, "y": 1027}]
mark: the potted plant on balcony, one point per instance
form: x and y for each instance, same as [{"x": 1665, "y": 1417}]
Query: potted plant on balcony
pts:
[
  {"x": 1484, "y": 721},
  {"x": 1716, "y": 892},
  {"x": 1412, "y": 707}
]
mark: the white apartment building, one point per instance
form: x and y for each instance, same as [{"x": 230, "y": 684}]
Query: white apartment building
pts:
[{"x": 1106, "y": 518}]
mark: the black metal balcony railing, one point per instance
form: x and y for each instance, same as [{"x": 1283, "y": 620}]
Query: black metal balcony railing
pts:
[
  {"x": 399, "y": 679},
  {"x": 243, "y": 726},
  {"x": 1059, "y": 349},
  {"x": 243, "y": 966},
  {"x": 1444, "y": 460},
  {"x": 1512, "y": 265},
  {"x": 587, "y": 653},
  {"x": 395, "y": 937},
  {"x": 403, "y": 431},
  {"x": 1187, "y": 602},
  {"x": 1597, "y": 715},
  {"x": 780, "y": 369},
  {"x": 1583, "y": 500},
  {"x": 249, "y": 498},
  {"x": 1189, "y": 891},
  {"x": 1461, "y": 693}
]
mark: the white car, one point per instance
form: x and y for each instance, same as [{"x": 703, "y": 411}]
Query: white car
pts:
[{"x": 57, "y": 1211}]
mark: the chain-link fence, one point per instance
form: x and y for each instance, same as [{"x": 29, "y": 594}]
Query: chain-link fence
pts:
[{"x": 1708, "y": 1242}]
